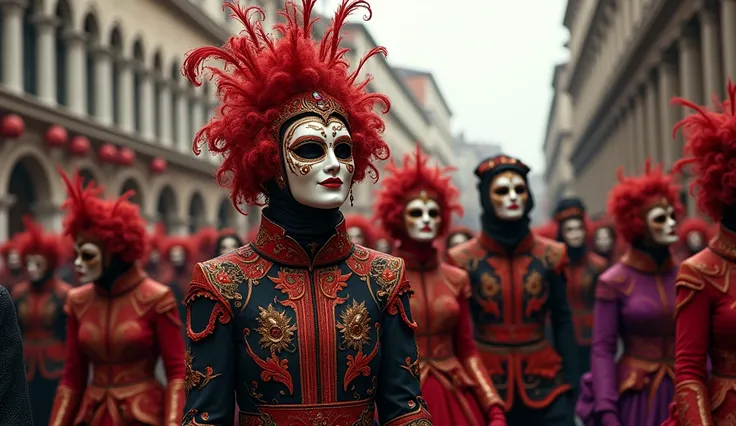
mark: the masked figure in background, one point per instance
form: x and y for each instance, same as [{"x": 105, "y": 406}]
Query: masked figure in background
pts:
[
  {"x": 694, "y": 235},
  {"x": 152, "y": 264},
  {"x": 706, "y": 282},
  {"x": 457, "y": 235},
  {"x": 205, "y": 242},
  {"x": 635, "y": 302},
  {"x": 39, "y": 303},
  {"x": 384, "y": 243},
  {"x": 120, "y": 322},
  {"x": 415, "y": 206},
  {"x": 517, "y": 282},
  {"x": 360, "y": 230},
  {"x": 227, "y": 241},
  {"x": 581, "y": 272},
  {"x": 180, "y": 253},
  {"x": 303, "y": 326},
  {"x": 604, "y": 241},
  {"x": 12, "y": 268}
]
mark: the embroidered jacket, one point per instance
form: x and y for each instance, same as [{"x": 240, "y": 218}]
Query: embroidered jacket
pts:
[
  {"x": 706, "y": 325},
  {"x": 581, "y": 279},
  {"x": 444, "y": 333},
  {"x": 320, "y": 338},
  {"x": 512, "y": 296},
  {"x": 121, "y": 334}
]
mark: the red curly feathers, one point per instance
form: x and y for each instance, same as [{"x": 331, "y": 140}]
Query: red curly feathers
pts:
[
  {"x": 35, "y": 241},
  {"x": 404, "y": 183},
  {"x": 365, "y": 226},
  {"x": 206, "y": 239},
  {"x": 187, "y": 243},
  {"x": 632, "y": 195},
  {"x": 694, "y": 224},
  {"x": 711, "y": 149},
  {"x": 261, "y": 75},
  {"x": 117, "y": 225}
]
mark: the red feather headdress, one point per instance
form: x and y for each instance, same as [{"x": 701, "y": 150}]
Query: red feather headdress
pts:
[
  {"x": 116, "y": 224},
  {"x": 10, "y": 245},
  {"x": 404, "y": 184},
  {"x": 206, "y": 239},
  {"x": 185, "y": 242},
  {"x": 710, "y": 149},
  {"x": 632, "y": 195},
  {"x": 155, "y": 238},
  {"x": 365, "y": 226},
  {"x": 35, "y": 241},
  {"x": 694, "y": 224},
  {"x": 264, "y": 82}
]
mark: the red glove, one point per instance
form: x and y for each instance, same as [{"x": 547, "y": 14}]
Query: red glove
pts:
[{"x": 496, "y": 416}]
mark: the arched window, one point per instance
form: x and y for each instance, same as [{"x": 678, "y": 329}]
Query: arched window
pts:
[
  {"x": 116, "y": 47},
  {"x": 175, "y": 94},
  {"x": 139, "y": 56},
  {"x": 157, "y": 125},
  {"x": 92, "y": 31},
  {"x": 63, "y": 14},
  {"x": 30, "y": 84}
]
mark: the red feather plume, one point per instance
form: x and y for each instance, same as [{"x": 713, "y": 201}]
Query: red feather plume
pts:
[
  {"x": 632, "y": 194},
  {"x": 404, "y": 183},
  {"x": 34, "y": 241},
  {"x": 188, "y": 243},
  {"x": 259, "y": 75},
  {"x": 694, "y": 224},
  {"x": 205, "y": 241}
]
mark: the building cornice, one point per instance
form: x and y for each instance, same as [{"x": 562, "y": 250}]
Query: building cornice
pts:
[
  {"x": 215, "y": 31},
  {"x": 590, "y": 36},
  {"x": 34, "y": 111}
]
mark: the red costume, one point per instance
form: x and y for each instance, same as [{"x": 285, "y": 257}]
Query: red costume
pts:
[
  {"x": 119, "y": 325},
  {"x": 153, "y": 264},
  {"x": 360, "y": 230},
  {"x": 178, "y": 254},
  {"x": 706, "y": 283},
  {"x": 39, "y": 302},
  {"x": 205, "y": 243},
  {"x": 694, "y": 234},
  {"x": 454, "y": 382},
  {"x": 12, "y": 270}
]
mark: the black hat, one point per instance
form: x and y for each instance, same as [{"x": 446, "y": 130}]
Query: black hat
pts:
[
  {"x": 501, "y": 163},
  {"x": 569, "y": 208}
]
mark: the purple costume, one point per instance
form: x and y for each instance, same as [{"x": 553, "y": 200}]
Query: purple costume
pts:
[{"x": 635, "y": 301}]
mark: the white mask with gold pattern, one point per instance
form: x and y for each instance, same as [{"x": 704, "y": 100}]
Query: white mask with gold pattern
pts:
[
  {"x": 509, "y": 195},
  {"x": 422, "y": 219},
  {"x": 88, "y": 262}
]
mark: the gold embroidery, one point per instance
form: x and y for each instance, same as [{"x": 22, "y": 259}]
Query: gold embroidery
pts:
[
  {"x": 412, "y": 367},
  {"x": 174, "y": 391},
  {"x": 64, "y": 396},
  {"x": 533, "y": 284},
  {"x": 275, "y": 329},
  {"x": 190, "y": 418},
  {"x": 194, "y": 378},
  {"x": 489, "y": 285},
  {"x": 385, "y": 270},
  {"x": 355, "y": 326},
  {"x": 682, "y": 391},
  {"x": 226, "y": 276},
  {"x": 315, "y": 102}
]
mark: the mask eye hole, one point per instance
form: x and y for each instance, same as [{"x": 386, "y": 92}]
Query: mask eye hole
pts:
[
  {"x": 661, "y": 218},
  {"x": 415, "y": 213},
  {"x": 503, "y": 190},
  {"x": 520, "y": 189},
  {"x": 310, "y": 150},
  {"x": 343, "y": 151},
  {"x": 434, "y": 213},
  {"x": 86, "y": 256}
]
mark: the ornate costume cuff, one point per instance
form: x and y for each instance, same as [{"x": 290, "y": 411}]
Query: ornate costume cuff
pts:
[
  {"x": 693, "y": 404},
  {"x": 174, "y": 403},
  {"x": 65, "y": 406}
]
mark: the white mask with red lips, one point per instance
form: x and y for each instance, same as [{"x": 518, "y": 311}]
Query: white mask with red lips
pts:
[
  {"x": 422, "y": 219},
  {"x": 319, "y": 161},
  {"x": 88, "y": 261},
  {"x": 36, "y": 267}
]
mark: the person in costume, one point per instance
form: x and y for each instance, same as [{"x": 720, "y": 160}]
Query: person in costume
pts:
[
  {"x": 120, "y": 322},
  {"x": 604, "y": 240},
  {"x": 180, "y": 253},
  {"x": 152, "y": 264},
  {"x": 547, "y": 230},
  {"x": 706, "y": 295},
  {"x": 517, "y": 282},
  {"x": 457, "y": 235},
  {"x": 12, "y": 267},
  {"x": 384, "y": 243},
  {"x": 360, "y": 230},
  {"x": 205, "y": 243},
  {"x": 15, "y": 409},
  {"x": 581, "y": 272},
  {"x": 415, "y": 206},
  {"x": 39, "y": 302},
  {"x": 227, "y": 241},
  {"x": 635, "y": 303},
  {"x": 694, "y": 234},
  {"x": 325, "y": 328}
]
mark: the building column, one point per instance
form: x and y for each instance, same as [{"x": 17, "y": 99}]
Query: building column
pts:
[
  {"x": 626, "y": 18},
  {"x": 641, "y": 132},
  {"x": 197, "y": 121},
  {"x": 668, "y": 114},
  {"x": 145, "y": 81},
  {"x": 164, "y": 113},
  {"x": 691, "y": 77},
  {"x": 46, "y": 61},
  {"x": 6, "y": 202},
  {"x": 11, "y": 14},
  {"x": 182, "y": 119},
  {"x": 728, "y": 35},
  {"x": 713, "y": 82},
  {"x": 76, "y": 74},
  {"x": 125, "y": 100},
  {"x": 632, "y": 163},
  {"x": 103, "y": 85},
  {"x": 654, "y": 140}
]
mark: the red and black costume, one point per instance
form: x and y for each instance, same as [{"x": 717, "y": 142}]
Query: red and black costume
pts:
[
  {"x": 581, "y": 273},
  {"x": 300, "y": 325},
  {"x": 40, "y": 308},
  {"x": 517, "y": 280},
  {"x": 455, "y": 384},
  {"x": 119, "y": 325},
  {"x": 706, "y": 282},
  {"x": 12, "y": 268},
  {"x": 605, "y": 242}
]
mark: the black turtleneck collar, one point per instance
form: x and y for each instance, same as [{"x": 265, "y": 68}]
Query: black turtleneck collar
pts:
[
  {"x": 659, "y": 253},
  {"x": 112, "y": 272},
  {"x": 729, "y": 218}
]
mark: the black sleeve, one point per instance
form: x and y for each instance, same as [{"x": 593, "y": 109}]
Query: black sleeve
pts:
[
  {"x": 562, "y": 329},
  {"x": 15, "y": 407}
]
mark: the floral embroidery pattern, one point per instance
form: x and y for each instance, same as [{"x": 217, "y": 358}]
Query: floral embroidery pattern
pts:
[
  {"x": 226, "y": 276},
  {"x": 355, "y": 326},
  {"x": 196, "y": 379},
  {"x": 275, "y": 328},
  {"x": 386, "y": 271}
]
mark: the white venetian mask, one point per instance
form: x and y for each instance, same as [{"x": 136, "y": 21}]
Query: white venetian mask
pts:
[
  {"x": 356, "y": 235},
  {"x": 227, "y": 245},
  {"x": 573, "y": 232},
  {"x": 509, "y": 195},
  {"x": 36, "y": 267},
  {"x": 319, "y": 162},
  {"x": 695, "y": 241},
  {"x": 383, "y": 245},
  {"x": 456, "y": 239},
  {"x": 14, "y": 261},
  {"x": 88, "y": 262},
  {"x": 662, "y": 224},
  {"x": 177, "y": 256},
  {"x": 603, "y": 240},
  {"x": 422, "y": 218}
]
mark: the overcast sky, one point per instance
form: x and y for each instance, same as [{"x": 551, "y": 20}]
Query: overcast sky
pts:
[{"x": 493, "y": 61}]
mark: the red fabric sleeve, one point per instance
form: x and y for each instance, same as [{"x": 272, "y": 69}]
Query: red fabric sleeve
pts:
[
  {"x": 169, "y": 334},
  {"x": 74, "y": 379}
]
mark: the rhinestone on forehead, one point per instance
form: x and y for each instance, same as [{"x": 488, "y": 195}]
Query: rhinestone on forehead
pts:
[{"x": 314, "y": 103}]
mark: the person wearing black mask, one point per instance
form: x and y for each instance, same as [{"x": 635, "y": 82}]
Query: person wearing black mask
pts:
[
  {"x": 581, "y": 272},
  {"x": 39, "y": 303},
  {"x": 518, "y": 281},
  {"x": 324, "y": 325},
  {"x": 119, "y": 321}
]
